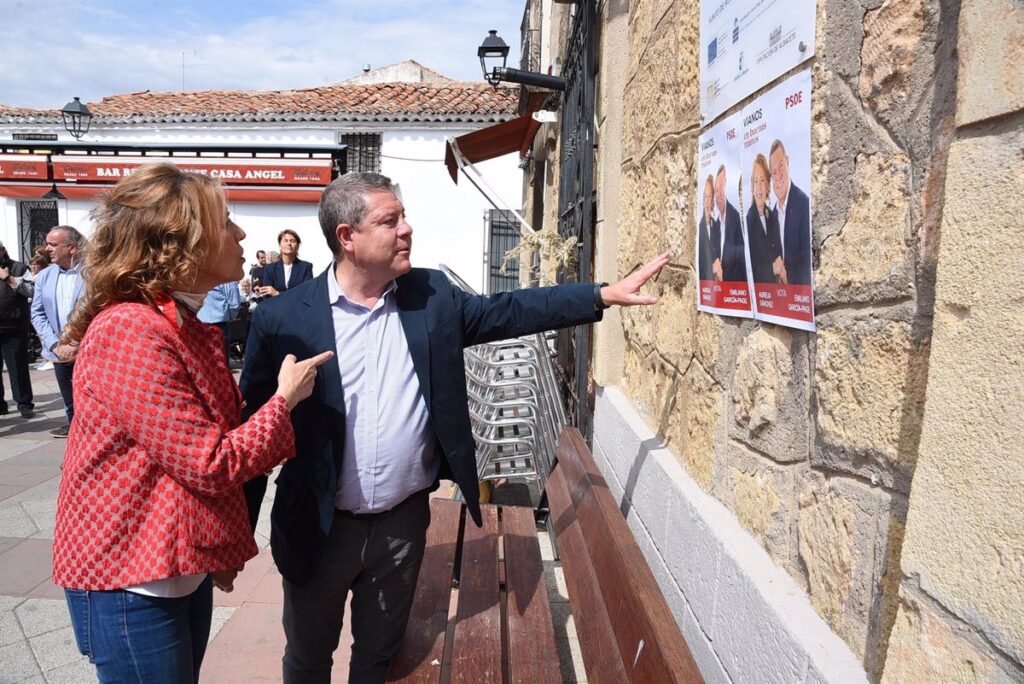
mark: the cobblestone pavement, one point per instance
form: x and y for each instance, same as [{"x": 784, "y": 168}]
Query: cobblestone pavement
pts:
[{"x": 246, "y": 642}]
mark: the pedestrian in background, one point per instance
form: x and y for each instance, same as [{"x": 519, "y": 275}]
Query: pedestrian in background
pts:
[
  {"x": 289, "y": 271},
  {"x": 150, "y": 500},
  {"x": 220, "y": 307},
  {"x": 15, "y": 292},
  {"x": 58, "y": 289}
]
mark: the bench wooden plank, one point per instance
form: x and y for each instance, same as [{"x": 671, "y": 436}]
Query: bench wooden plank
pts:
[
  {"x": 532, "y": 650},
  {"x": 476, "y": 652},
  {"x": 428, "y": 621},
  {"x": 593, "y": 624},
  {"x": 645, "y": 633}
]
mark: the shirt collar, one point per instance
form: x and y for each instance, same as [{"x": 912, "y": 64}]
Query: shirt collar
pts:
[
  {"x": 335, "y": 293},
  {"x": 70, "y": 271}
]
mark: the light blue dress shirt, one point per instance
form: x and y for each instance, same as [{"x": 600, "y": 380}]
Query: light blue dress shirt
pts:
[
  {"x": 64, "y": 293},
  {"x": 389, "y": 442},
  {"x": 221, "y": 304}
]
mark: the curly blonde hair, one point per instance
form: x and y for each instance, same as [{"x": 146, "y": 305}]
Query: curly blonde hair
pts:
[{"x": 153, "y": 230}]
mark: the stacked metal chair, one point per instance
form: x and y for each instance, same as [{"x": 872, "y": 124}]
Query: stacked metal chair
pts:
[{"x": 514, "y": 405}]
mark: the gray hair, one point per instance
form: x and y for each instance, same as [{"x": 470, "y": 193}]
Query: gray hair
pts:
[
  {"x": 344, "y": 201},
  {"x": 72, "y": 234}
]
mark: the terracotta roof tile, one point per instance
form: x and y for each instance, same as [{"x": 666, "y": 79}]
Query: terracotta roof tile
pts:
[{"x": 455, "y": 101}]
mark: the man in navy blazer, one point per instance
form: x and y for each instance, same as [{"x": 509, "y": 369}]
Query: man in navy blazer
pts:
[
  {"x": 387, "y": 419},
  {"x": 793, "y": 209},
  {"x": 57, "y": 289}
]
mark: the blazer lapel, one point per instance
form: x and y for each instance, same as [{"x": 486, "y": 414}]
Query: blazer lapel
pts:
[
  {"x": 412, "y": 313},
  {"x": 321, "y": 336}
]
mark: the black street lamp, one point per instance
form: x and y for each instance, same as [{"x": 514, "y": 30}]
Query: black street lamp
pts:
[
  {"x": 494, "y": 48},
  {"x": 77, "y": 118}
]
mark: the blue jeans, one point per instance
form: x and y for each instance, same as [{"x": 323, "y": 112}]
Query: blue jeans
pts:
[{"x": 135, "y": 638}]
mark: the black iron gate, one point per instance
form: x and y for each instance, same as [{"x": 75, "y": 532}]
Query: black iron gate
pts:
[
  {"x": 502, "y": 236},
  {"x": 576, "y": 204},
  {"x": 35, "y": 219}
]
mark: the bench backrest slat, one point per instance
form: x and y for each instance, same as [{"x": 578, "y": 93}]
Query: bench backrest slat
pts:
[
  {"x": 532, "y": 650},
  {"x": 643, "y": 633},
  {"x": 593, "y": 624}
]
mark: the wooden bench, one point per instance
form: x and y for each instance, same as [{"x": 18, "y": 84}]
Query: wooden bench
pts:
[{"x": 481, "y": 611}]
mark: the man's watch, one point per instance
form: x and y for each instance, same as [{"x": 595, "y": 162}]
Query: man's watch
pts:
[{"x": 598, "y": 301}]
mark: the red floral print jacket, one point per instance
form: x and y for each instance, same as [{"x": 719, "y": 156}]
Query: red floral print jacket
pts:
[{"x": 156, "y": 457}]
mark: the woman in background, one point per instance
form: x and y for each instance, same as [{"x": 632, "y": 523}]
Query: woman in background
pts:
[
  {"x": 150, "y": 511},
  {"x": 289, "y": 270}
]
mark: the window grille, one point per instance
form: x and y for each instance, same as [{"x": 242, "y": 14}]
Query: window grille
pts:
[{"x": 363, "y": 151}]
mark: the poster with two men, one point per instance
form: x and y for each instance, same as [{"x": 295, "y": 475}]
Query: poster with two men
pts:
[{"x": 753, "y": 210}]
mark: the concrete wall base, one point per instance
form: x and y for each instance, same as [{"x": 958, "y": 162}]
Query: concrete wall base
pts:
[{"x": 743, "y": 617}]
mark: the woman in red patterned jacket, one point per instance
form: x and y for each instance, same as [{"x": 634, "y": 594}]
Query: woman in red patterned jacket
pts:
[{"x": 150, "y": 502}]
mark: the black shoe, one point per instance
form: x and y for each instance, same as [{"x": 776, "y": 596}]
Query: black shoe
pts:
[
  {"x": 27, "y": 412},
  {"x": 61, "y": 432}
]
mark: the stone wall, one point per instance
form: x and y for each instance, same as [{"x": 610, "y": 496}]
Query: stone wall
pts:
[
  {"x": 813, "y": 441},
  {"x": 961, "y": 601}
]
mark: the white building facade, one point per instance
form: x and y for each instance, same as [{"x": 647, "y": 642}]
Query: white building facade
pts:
[{"x": 398, "y": 129}]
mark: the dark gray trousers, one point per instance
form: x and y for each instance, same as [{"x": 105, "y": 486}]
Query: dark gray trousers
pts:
[
  {"x": 64, "y": 372},
  {"x": 14, "y": 355},
  {"x": 375, "y": 557}
]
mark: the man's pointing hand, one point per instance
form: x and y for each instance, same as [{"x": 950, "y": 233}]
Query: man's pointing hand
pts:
[{"x": 626, "y": 292}]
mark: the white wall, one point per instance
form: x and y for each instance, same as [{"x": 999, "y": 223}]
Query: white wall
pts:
[{"x": 447, "y": 219}]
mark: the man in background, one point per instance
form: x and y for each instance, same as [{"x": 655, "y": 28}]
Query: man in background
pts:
[
  {"x": 15, "y": 292},
  {"x": 58, "y": 288},
  {"x": 220, "y": 307}
]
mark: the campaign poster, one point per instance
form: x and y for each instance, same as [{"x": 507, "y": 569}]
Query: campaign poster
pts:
[
  {"x": 745, "y": 44},
  {"x": 720, "y": 252},
  {"x": 776, "y": 139}
]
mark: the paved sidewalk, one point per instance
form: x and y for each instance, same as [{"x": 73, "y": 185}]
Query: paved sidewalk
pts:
[{"x": 36, "y": 641}]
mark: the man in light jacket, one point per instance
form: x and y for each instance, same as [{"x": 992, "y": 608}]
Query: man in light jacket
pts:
[{"x": 57, "y": 289}]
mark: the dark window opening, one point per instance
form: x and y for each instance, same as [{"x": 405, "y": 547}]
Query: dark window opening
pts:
[{"x": 363, "y": 151}]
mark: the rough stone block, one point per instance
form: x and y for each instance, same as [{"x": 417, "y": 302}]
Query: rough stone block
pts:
[
  {"x": 693, "y": 423},
  {"x": 675, "y": 316},
  {"x": 707, "y": 342},
  {"x": 651, "y": 381},
  {"x": 991, "y": 49},
  {"x": 850, "y": 535},
  {"x": 769, "y": 394},
  {"x": 869, "y": 397},
  {"x": 838, "y": 35},
  {"x": 871, "y": 258},
  {"x": 840, "y": 132},
  {"x": 965, "y": 530},
  {"x": 929, "y": 647},
  {"x": 658, "y": 98},
  {"x": 892, "y": 35},
  {"x": 763, "y": 497},
  {"x": 678, "y": 153}
]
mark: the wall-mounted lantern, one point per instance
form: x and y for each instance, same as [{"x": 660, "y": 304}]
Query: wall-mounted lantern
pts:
[{"x": 494, "y": 49}]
